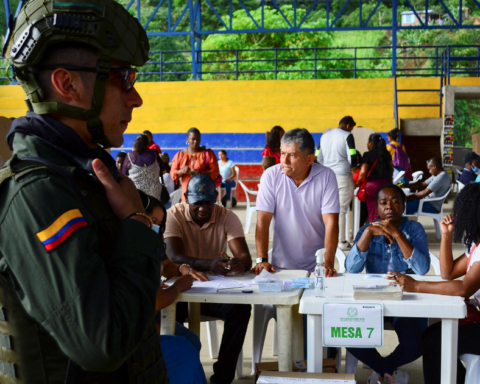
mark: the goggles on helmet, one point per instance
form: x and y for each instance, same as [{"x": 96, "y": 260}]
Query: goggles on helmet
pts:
[{"x": 128, "y": 75}]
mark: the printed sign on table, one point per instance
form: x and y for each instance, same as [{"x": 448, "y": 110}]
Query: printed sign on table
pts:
[{"x": 352, "y": 325}]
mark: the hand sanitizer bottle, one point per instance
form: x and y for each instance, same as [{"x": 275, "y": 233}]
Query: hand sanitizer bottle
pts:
[{"x": 320, "y": 274}]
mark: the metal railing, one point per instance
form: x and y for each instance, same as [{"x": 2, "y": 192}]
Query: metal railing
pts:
[{"x": 312, "y": 63}]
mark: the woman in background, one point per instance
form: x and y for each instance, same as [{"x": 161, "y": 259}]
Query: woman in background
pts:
[
  {"x": 193, "y": 160},
  {"x": 377, "y": 169},
  {"x": 273, "y": 143},
  {"x": 228, "y": 173}
]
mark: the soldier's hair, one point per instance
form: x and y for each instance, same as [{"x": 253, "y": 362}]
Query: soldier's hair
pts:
[
  {"x": 141, "y": 143},
  {"x": 66, "y": 53},
  {"x": 466, "y": 215},
  {"x": 305, "y": 140}
]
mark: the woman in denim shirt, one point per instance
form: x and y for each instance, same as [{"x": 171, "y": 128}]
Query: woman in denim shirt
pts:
[{"x": 396, "y": 244}]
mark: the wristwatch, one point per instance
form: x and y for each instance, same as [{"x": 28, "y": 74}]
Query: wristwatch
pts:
[{"x": 262, "y": 260}]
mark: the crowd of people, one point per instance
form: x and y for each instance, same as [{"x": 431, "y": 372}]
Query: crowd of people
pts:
[{"x": 85, "y": 240}]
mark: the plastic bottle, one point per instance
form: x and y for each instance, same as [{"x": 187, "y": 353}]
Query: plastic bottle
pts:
[{"x": 320, "y": 273}]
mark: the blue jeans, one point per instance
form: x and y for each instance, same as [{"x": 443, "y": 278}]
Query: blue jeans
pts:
[
  {"x": 409, "y": 331},
  {"x": 412, "y": 207},
  {"x": 228, "y": 185}
]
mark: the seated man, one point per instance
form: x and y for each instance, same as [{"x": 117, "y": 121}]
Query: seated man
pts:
[
  {"x": 435, "y": 186},
  {"x": 392, "y": 244},
  {"x": 472, "y": 165},
  {"x": 197, "y": 233}
]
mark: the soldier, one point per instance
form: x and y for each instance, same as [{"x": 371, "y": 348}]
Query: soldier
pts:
[{"x": 79, "y": 262}]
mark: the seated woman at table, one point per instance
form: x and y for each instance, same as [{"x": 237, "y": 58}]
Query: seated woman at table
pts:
[
  {"x": 180, "y": 351},
  {"x": 462, "y": 226},
  {"x": 396, "y": 244}
]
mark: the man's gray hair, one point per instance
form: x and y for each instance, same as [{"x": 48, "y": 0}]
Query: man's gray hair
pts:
[{"x": 303, "y": 138}]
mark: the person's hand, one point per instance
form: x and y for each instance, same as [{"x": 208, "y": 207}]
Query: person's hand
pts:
[
  {"x": 122, "y": 195},
  {"x": 387, "y": 227},
  {"x": 200, "y": 276},
  {"x": 185, "y": 170},
  {"x": 220, "y": 265},
  {"x": 409, "y": 284},
  {"x": 447, "y": 225},
  {"x": 379, "y": 231},
  {"x": 357, "y": 183},
  {"x": 259, "y": 267},
  {"x": 235, "y": 265},
  {"x": 330, "y": 271},
  {"x": 409, "y": 198},
  {"x": 183, "y": 283}
]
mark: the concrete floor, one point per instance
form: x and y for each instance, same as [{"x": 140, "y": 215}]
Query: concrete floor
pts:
[{"x": 414, "y": 368}]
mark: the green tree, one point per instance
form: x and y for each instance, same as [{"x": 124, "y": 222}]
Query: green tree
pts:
[{"x": 467, "y": 121}]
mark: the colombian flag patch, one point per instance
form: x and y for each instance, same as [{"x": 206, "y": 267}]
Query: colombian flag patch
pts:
[{"x": 61, "y": 228}]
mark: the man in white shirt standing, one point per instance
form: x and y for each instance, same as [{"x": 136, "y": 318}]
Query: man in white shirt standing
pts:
[{"x": 337, "y": 152}]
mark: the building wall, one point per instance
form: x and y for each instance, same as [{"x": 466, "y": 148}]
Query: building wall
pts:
[{"x": 235, "y": 115}]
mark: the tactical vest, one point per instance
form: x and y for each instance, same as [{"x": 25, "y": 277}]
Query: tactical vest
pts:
[{"x": 29, "y": 354}]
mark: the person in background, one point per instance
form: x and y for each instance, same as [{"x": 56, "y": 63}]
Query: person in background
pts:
[
  {"x": 462, "y": 226},
  {"x": 193, "y": 160},
  {"x": 273, "y": 143},
  {"x": 143, "y": 166},
  {"x": 472, "y": 165},
  {"x": 151, "y": 143},
  {"x": 377, "y": 169},
  {"x": 267, "y": 162},
  {"x": 337, "y": 152},
  {"x": 302, "y": 196},
  {"x": 398, "y": 152},
  {"x": 180, "y": 350},
  {"x": 197, "y": 234},
  {"x": 396, "y": 244},
  {"x": 228, "y": 173},
  {"x": 120, "y": 159},
  {"x": 167, "y": 178},
  {"x": 435, "y": 186}
]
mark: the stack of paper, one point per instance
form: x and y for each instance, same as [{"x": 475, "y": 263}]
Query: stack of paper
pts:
[{"x": 377, "y": 292}]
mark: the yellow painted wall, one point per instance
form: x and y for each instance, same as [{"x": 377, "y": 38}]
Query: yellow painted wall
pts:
[{"x": 256, "y": 106}]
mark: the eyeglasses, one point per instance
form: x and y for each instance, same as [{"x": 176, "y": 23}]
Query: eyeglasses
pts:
[{"x": 128, "y": 75}]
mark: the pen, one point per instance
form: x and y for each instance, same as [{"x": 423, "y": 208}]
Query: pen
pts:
[{"x": 223, "y": 254}]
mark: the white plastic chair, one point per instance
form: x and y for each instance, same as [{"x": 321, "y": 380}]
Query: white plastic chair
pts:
[
  {"x": 250, "y": 209},
  {"x": 234, "y": 189},
  {"x": 214, "y": 343},
  {"x": 435, "y": 263},
  {"x": 176, "y": 196},
  {"x": 262, "y": 313},
  {"x": 417, "y": 176},
  {"x": 398, "y": 175},
  {"x": 460, "y": 186},
  {"x": 437, "y": 217}
]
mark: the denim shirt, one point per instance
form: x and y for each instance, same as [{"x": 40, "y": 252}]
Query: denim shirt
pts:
[{"x": 380, "y": 255}]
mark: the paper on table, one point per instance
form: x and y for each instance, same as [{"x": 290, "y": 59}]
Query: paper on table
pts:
[
  {"x": 204, "y": 287},
  {"x": 290, "y": 380},
  {"x": 226, "y": 283}
]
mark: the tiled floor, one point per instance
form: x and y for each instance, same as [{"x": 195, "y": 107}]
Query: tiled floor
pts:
[{"x": 415, "y": 368}]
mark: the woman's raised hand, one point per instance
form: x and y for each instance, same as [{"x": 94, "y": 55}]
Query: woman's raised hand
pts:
[{"x": 447, "y": 225}]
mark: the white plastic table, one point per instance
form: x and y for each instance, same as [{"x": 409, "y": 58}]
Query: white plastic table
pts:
[
  {"x": 339, "y": 289},
  {"x": 283, "y": 301}
]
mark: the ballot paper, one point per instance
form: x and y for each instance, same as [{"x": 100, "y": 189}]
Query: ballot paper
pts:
[
  {"x": 204, "y": 287},
  {"x": 226, "y": 283},
  {"x": 295, "y": 380},
  {"x": 376, "y": 276},
  {"x": 377, "y": 292}
]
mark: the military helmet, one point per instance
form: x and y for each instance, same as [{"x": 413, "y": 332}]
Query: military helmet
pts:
[{"x": 102, "y": 24}]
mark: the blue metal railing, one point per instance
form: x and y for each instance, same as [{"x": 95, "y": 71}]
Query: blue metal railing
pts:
[{"x": 314, "y": 63}]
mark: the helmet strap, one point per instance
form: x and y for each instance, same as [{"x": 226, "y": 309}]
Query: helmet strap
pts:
[{"x": 91, "y": 115}]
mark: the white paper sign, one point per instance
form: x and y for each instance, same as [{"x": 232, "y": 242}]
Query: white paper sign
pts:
[{"x": 353, "y": 325}]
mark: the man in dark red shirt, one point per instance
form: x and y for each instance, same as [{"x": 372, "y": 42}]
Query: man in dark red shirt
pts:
[{"x": 152, "y": 144}]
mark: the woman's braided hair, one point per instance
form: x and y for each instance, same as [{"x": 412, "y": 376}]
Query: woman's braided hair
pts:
[{"x": 466, "y": 215}]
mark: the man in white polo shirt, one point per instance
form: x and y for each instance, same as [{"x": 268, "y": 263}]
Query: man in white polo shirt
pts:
[
  {"x": 337, "y": 152},
  {"x": 303, "y": 198}
]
